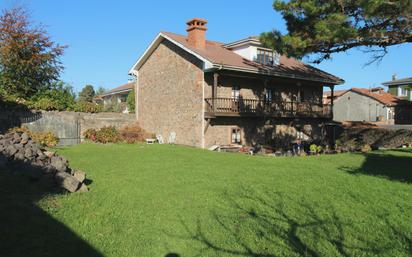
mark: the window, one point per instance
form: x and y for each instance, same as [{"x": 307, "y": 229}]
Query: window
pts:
[
  {"x": 265, "y": 57},
  {"x": 235, "y": 92},
  {"x": 269, "y": 95},
  {"x": 235, "y": 136},
  {"x": 402, "y": 91},
  {"x": 301, "y": 96}
]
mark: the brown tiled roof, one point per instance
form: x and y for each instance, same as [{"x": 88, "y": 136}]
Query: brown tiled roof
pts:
[
  {"x": 125, "y": 87},
  {"x": 380, "y": 96},
  {"x": 289, "y": 67}
]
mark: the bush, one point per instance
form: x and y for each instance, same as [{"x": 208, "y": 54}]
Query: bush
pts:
[
  {"x": 87, "y": 107},
  {"x": 46, "y": 104},
  {"x": 131, "y": 105},
  {"x": 313, "y": 148},
  {"x": 112, "y": 106},
  {"x": 134, "y": 133},
  {"x": 104, "y": 135},
  {"x": 48, "y": 139},
  {"x": 90, "y": 134},
  {"x": 366, "y": 148}
]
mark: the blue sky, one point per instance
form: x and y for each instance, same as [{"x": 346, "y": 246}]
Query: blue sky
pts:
[{"x": 105, "y": 38}]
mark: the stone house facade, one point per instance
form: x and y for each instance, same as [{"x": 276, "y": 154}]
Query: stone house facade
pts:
[{"x": 210, "y": 93}]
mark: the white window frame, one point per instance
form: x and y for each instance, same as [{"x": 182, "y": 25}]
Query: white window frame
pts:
[
  {"x": 235, "y": 135},
  {"x": 402, "y": 91},
  {"x": 235, "y": 93}
]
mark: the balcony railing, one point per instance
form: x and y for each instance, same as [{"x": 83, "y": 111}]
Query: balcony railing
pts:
[{"x": 255, "y": 107}]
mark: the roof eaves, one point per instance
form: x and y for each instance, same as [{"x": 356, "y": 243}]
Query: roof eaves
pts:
[{"x": 273, "y": 73}]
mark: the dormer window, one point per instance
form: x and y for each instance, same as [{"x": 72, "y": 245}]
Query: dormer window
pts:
[{"x": 267, "y": 57}]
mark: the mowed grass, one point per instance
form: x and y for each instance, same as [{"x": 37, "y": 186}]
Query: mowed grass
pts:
[{"x": 160, "y": 200}]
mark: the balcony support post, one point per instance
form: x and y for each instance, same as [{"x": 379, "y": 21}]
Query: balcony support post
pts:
[
  {"x": 332, "y": 87},
  {"x": 214, "y": 90}
]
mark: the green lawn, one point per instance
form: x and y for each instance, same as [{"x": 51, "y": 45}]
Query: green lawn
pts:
[{"x": 155, "y": 200}]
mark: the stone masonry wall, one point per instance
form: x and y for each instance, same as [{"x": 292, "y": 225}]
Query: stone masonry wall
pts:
[
  {"x": 170, "y": 94},
  {"x": 68, "y": 126}
]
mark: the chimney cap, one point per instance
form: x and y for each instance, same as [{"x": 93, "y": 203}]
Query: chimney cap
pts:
[
  {"x": 191, "y": 21},
  {"x": 196, "y": 23}
]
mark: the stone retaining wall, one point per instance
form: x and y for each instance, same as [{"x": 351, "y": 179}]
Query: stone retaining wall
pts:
[{"x": 68, "y": 126}]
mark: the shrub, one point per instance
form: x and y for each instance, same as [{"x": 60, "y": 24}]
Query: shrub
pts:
[
  {"x": 46, "y": 104},
  {"x": 90, "y": 134},
  {"x": 48, "y": 139},
  {"x": 87, "y": 107},
  {"x": 113, "y": 106},
  {"x": 107, "y": 135},
  {"x": 134, "y": 133},
  {"x": 313, "y": 148},
  {"x": 131, "y": 101},
  {"x": 366, "y": 148}
]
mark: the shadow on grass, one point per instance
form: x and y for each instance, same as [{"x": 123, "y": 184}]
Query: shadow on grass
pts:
[
  {"x": 25, "y": 228},
  {"x": 273, "y": 224},
  {"x": 386, "y": 164}
]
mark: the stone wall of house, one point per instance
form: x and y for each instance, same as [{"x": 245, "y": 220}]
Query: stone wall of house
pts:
[
  {"x": 170, "y": 98},
  {"x": 68, "y": 126},
  {"x": 260, "y": 131}
]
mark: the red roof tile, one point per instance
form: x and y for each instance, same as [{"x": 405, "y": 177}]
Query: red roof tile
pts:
[
  {"x": 217, "y": 54},
  {"x": 380, "y": 96},
  {"x": 129, "y": 86}
]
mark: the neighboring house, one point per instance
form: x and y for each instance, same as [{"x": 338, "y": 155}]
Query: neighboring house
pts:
[
  {"x": 209, "y": 93},
  {"x": 361, "y": 104},
  {"x": 402, "y": 88},
  {"x": 117, "y": 97}
]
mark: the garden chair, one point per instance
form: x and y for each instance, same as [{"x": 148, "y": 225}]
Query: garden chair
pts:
[
  {"x": 159, "y": 139},
  {"x": 172, "y": 137}
]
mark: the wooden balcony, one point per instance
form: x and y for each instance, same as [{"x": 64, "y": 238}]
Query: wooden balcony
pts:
[{"x": 254, "y": 107}]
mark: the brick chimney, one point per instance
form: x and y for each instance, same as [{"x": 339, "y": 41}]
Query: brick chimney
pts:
[{"x": 196, "y": 32}]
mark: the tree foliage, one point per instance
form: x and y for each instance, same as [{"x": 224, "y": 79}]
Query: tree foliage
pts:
[
  {"x": 59, "y": 96},
  {"x": 87, "y": 94},
  {"x": 131, "y": 101},
  {"x": 325, "y": 27},
  {"x": 29, "y": 59}
]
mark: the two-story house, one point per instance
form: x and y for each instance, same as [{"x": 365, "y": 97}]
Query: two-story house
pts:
[
  {"x": 402, "y": 89},
  {"x": 211, "y": 93}
]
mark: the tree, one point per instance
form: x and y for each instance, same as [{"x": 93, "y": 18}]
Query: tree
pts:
[
  {"x": 29, "y": 59},
  {"x": 60, "y": 96},
  {"x": 131, "y": 101},
  {"x": 325, "y": 27},
  {"x": 100, "y": 91},
  {"x": 87, "y": 94}
]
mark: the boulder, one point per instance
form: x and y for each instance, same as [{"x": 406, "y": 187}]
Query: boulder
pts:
[
  {"x": 24, "y": 139},
  {"x": 66, "y": 181},
  {"x": 28, "y": 153},
  {"x": 11, "y": 150},
  {"x": 58, "y": 163},
  {"x": 83, "y": 188},
  {"x": 79, "y": 175}
]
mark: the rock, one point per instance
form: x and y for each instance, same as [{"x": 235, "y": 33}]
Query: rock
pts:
[
  {"x": 66, "y": 181},
  {"x": 83, "y": 188},
  {"x": 19, "y": 156},
  {"x": 24, "y": 139},
  {"x": 28, "y": 153},
  {"x": 58, "y": 163},
  {"x": 11, "y": 150},
  {"x": 49, "y": 154},
  {"x": 79, "y": 175},
  {"x": 16, "y": 138}
]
